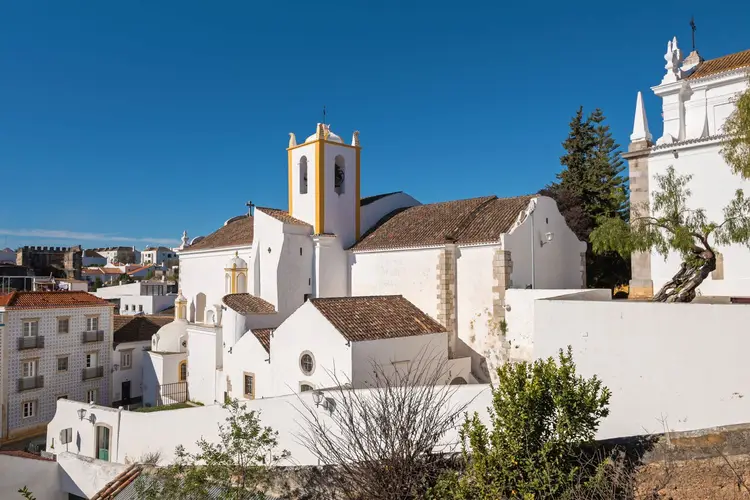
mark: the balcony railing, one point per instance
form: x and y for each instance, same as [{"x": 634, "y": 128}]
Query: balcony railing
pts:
[
  {"x": 28, "y": 383},
  {"x": 93, "y": 372},
  {"x": 93, "y": 336},
  {"x": 34, "y": 342}
]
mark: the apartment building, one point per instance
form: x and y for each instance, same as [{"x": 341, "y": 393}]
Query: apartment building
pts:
[{"x": 53, "y": 345}]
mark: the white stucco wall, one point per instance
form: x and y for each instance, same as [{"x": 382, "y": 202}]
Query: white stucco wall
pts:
[
  {"x": 331, "y": 277},
  {"x": 84, "y": 476},
  {"x": 411, "y": 273},
  {"x": 294, "y": 271},
  {"x": 202, "y": 272},
  {"x": 303, "y": 205},
  {"x": 294, "y": 337},
  {"x": 474, "y": 282},
  {"x": 520, "y": 317},
  {"x": 249, "y": 356},
  {"x": 42, "y": 477},
  {"x": 202, "y": 364},
  {"x": 159, "y": 369},
  {"x": 340, "y": 209},
  {"x": 269, "y": 242},
  {"x": 558, "y": 263},
  {"x": 370, "y": 214},
  {"x": 134, "y": 374},
  {"x": 686, "y": 363},
  {"x": 713, "y": 186}
]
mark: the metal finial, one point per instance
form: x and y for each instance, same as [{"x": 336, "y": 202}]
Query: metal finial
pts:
[
  {"x": 693, "y": 28},
  {"x": 324, "y": 114},
  {"x": 249, "y": 206}
]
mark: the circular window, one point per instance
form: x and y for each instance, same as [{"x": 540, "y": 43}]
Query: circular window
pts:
[{"x": 307, "y": 363}]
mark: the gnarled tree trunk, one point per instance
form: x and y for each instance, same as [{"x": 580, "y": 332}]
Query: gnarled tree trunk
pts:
[{"x": 682, "y": 286}]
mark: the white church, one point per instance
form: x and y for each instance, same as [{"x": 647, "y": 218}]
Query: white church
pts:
[{"x": 274, "y": 300}]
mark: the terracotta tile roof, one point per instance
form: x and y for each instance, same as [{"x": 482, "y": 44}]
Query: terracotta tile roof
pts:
[
  {"x": 475, "y": 220},
  {"x": 722, "y": 64},
  {"x": 376, "y": 317},
  {"x": 119, "y": 483},
  {"x": 370, "y": 199},
  {"x": 51, "y": 300},
  {"x": 137, "y": 328},
  {"x": 25, "y": 454},
  {"x": 237, "y": 232},
  {"x": 92, "y": 253},
  {"x": 264, "y": 337},
  {"x": 283, "y": 216},
  {"x": 244, "y": 303}
]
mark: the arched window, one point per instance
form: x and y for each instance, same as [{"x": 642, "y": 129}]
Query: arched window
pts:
[
  {"x": 209, "y": 317},
  {"x": 103, "y": 435},
  {"x": 303, "y": 175},
  {"x": 182, "y": 371},
  {"x": 241, "y": 283},
  {"x": 305, "y": 387},
  {"x": 227, "y": 283},
  {"x": 339, "y": 174}
]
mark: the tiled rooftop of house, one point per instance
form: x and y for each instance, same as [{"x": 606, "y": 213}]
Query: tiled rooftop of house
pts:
[
  {"x": 244, "y": 303},
  {"x": 721, "y": 64},
  {"x": 50, "y": 300},
  {"x": 237, "y": 232},
  {"x": 369, "y": 199},
  {"x": 264, "y": 337},
  {"x": 471, "y": 221},
  {"x": 376, "y": 317},
  {"x": 137, "y": 328},
  {"x": 283, "y": 216}
]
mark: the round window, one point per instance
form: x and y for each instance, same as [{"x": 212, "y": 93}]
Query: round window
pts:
[{"x": 307, "y": 363}]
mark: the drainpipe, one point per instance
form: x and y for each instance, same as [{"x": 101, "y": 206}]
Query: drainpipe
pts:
[
  {"x": 533, "y": 246},
  {"x": 119, "y": 418}
]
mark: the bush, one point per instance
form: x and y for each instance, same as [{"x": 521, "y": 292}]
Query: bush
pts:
[{"x": 542, "y": 415}]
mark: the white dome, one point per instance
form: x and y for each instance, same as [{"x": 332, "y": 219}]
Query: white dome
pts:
[
  {"x": 237, "y": 262},
  {"x": 169, "y": 337},
  {"x": 331, "y": 136}
]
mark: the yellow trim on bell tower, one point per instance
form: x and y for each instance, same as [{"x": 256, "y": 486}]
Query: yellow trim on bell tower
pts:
[
  {"x": 357, "y": 200},
  {"x": 291, "y": 183},
  {"x": 320, "y": 184}
]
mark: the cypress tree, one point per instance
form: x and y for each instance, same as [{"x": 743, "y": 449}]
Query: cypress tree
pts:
[{"x": 590, "y": 187}]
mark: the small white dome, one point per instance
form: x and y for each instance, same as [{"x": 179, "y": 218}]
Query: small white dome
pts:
[
  {"x": 331, "y": 137},
  {"x": 237, "y": 262},
  {"x": 169, "y": 337}
]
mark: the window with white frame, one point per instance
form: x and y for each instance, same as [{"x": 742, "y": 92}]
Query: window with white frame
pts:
[
  {"x": 126, "y": 359},
  {"x": 140, "y": 307},
  {"x": 307, "y": 363},
  {"x": 29, "y": 409},
  {"x": 63, "y": 325},
  {"x": 91, "y": 396},
  {"x": 62, "y": 364},
  {"x": 91, "y": 359},
  {"x": 249, "y": 385},
  {"x": 29, "y": 368},
  {"x": 92, "y": 323},
  {"x": 30, "y": 328}
]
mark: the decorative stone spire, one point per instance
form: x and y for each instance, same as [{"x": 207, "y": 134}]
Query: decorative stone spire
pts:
[
  {"x": 355, "y": 138},
  {"x": 180, "y": 307},
  {"x": 292, "y": 140},
  {"x": 673, "y": 57},
  {"x": 640, "y": 125},
  {"x": 185, "y": 242}
]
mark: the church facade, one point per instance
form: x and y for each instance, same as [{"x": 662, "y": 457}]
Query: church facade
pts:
[
  {"x": 697, "y": 98},
  {"x": 252, "y": 291}
]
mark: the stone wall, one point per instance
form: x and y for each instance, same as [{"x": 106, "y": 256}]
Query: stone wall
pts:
[
  {"x": 641, "y": 283},
  {"x": 446, "y": 294}
]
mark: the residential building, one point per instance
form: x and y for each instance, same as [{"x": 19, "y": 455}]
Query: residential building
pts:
[
  {"x": 143, "y": 297},
  {"x": 132, "y": 338},
  {"x": 93, "y": 258},
  {"x": 697, "y": 97},
  {"x": 106, "y": 275},
  {"x": 7, "y": 256},
  {"x": 160, "y": 256},
  {"x": 60, "y": 262},
  {"x": 119, "y": 255},
  {"x": 54, "y": 345}
]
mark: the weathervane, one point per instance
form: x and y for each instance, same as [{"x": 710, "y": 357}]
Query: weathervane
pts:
[{"x": 692, "y": 27}]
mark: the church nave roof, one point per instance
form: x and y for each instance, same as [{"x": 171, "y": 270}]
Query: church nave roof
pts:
[
  {"x": 235, "y": 233},
  {"x": 722, "y": 64},
  {"x": 245, "y": 304},
  {"x": 470, "y": 221}
]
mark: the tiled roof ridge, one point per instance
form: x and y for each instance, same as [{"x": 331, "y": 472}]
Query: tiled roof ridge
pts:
[
  {"x": 77, "y": 299},
  {"x": 354, "y": 297},
  {"x": 264, "y": 337},
  {"x": 722, "y": 64},
  {"x": 282, "y": 215},
  {"x": 119, "y": 483},
  {"x": 370, "y": 199},
  {"x": 465, "y": 222},
  {"x": 252, "y": 303}
]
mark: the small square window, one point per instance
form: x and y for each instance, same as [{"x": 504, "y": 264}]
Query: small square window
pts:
[
  {"x": 126, "y": 359},
  {"x": 63, "y": 325},
  {"x": 29, "y": 368},
  {"x": 30, "y": 328},
  {"x": 126, "y": 307},
  {"x": 29, "y": 409},
  {"x": 62, "y": 364},
  {"x": 140, "y": 307},
  {"x": 249, "y": 385},
  {"x": 92, "y": 324},
  {"x": 91, "y": 360}
]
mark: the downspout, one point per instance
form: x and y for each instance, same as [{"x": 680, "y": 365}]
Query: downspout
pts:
[
  {"x": 119, "y": 418},
  {"x": 533, "y": 246}
]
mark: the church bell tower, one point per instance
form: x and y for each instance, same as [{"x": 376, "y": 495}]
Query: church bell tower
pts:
[{"x": 324, "y": 183}]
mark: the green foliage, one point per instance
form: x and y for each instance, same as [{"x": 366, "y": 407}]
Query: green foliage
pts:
[
  {"x": 736, "y": 147},
  {"x": 591, "y": 186},
  {"x": 125, "y": 279},
  {"x": 98, "y": 283},
  {"x": 173, "y": 406},
  {"x": 542, "y": 414},
  {"x": 672, "y": 225},
  {"x": 25, "y": 493},
  {"x": 237, "y": 464}
]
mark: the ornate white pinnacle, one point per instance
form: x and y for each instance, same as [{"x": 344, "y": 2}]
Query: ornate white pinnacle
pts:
[
  {"x": 355, "y": 138},
  {"x": 640, "y": 125},
  {"x": 673, "y": 57},
  {"x": 292, "y": 140}
]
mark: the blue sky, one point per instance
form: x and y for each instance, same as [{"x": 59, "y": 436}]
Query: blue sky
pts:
[{"x": 127, "y": 122}]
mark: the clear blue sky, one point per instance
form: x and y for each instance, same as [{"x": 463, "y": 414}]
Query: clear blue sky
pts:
[{"x": 128, "y": 122}]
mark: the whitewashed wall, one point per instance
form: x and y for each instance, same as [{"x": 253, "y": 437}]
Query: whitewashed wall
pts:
[
  {"x": 331, "y": 277},
  {"x": 202, "y": 352},
  {"x": 686, "y": 363},
  {"x": 159, "y": 369},
  {"x": 42, "y": 477},
  {"x": 293, "y": 337},
  {"x": 249, "y": 356},
  {"x": 294, "y": 273},
  {"x": 135, "y": 434},
  {"x": 370, "y": 214},
  {"x": 557, "y": 264},
  {"x": 84, "y": 476},
  {"x": 713, "y": 185},
  {"x": 520, "y": 317},
  {"x": 134, "y": 374},
  {"x": 303, "y": 205},
  {"x": 474, "y": 294},
  {"x": 340, "y": 209},
  {"x": 269, "y": 241},
  {"x": 411, "y": 273},
  {"x": 202, "y": 272}
]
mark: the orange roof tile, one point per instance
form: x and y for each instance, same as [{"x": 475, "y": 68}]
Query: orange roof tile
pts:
[
  {"x": 283, "y": 216},
  {"x": 722, "y": 64},
  {"x": 235, "y": 233},
  {"x": 51, "y": 300},
  {"x": 264, "y": 337}
]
